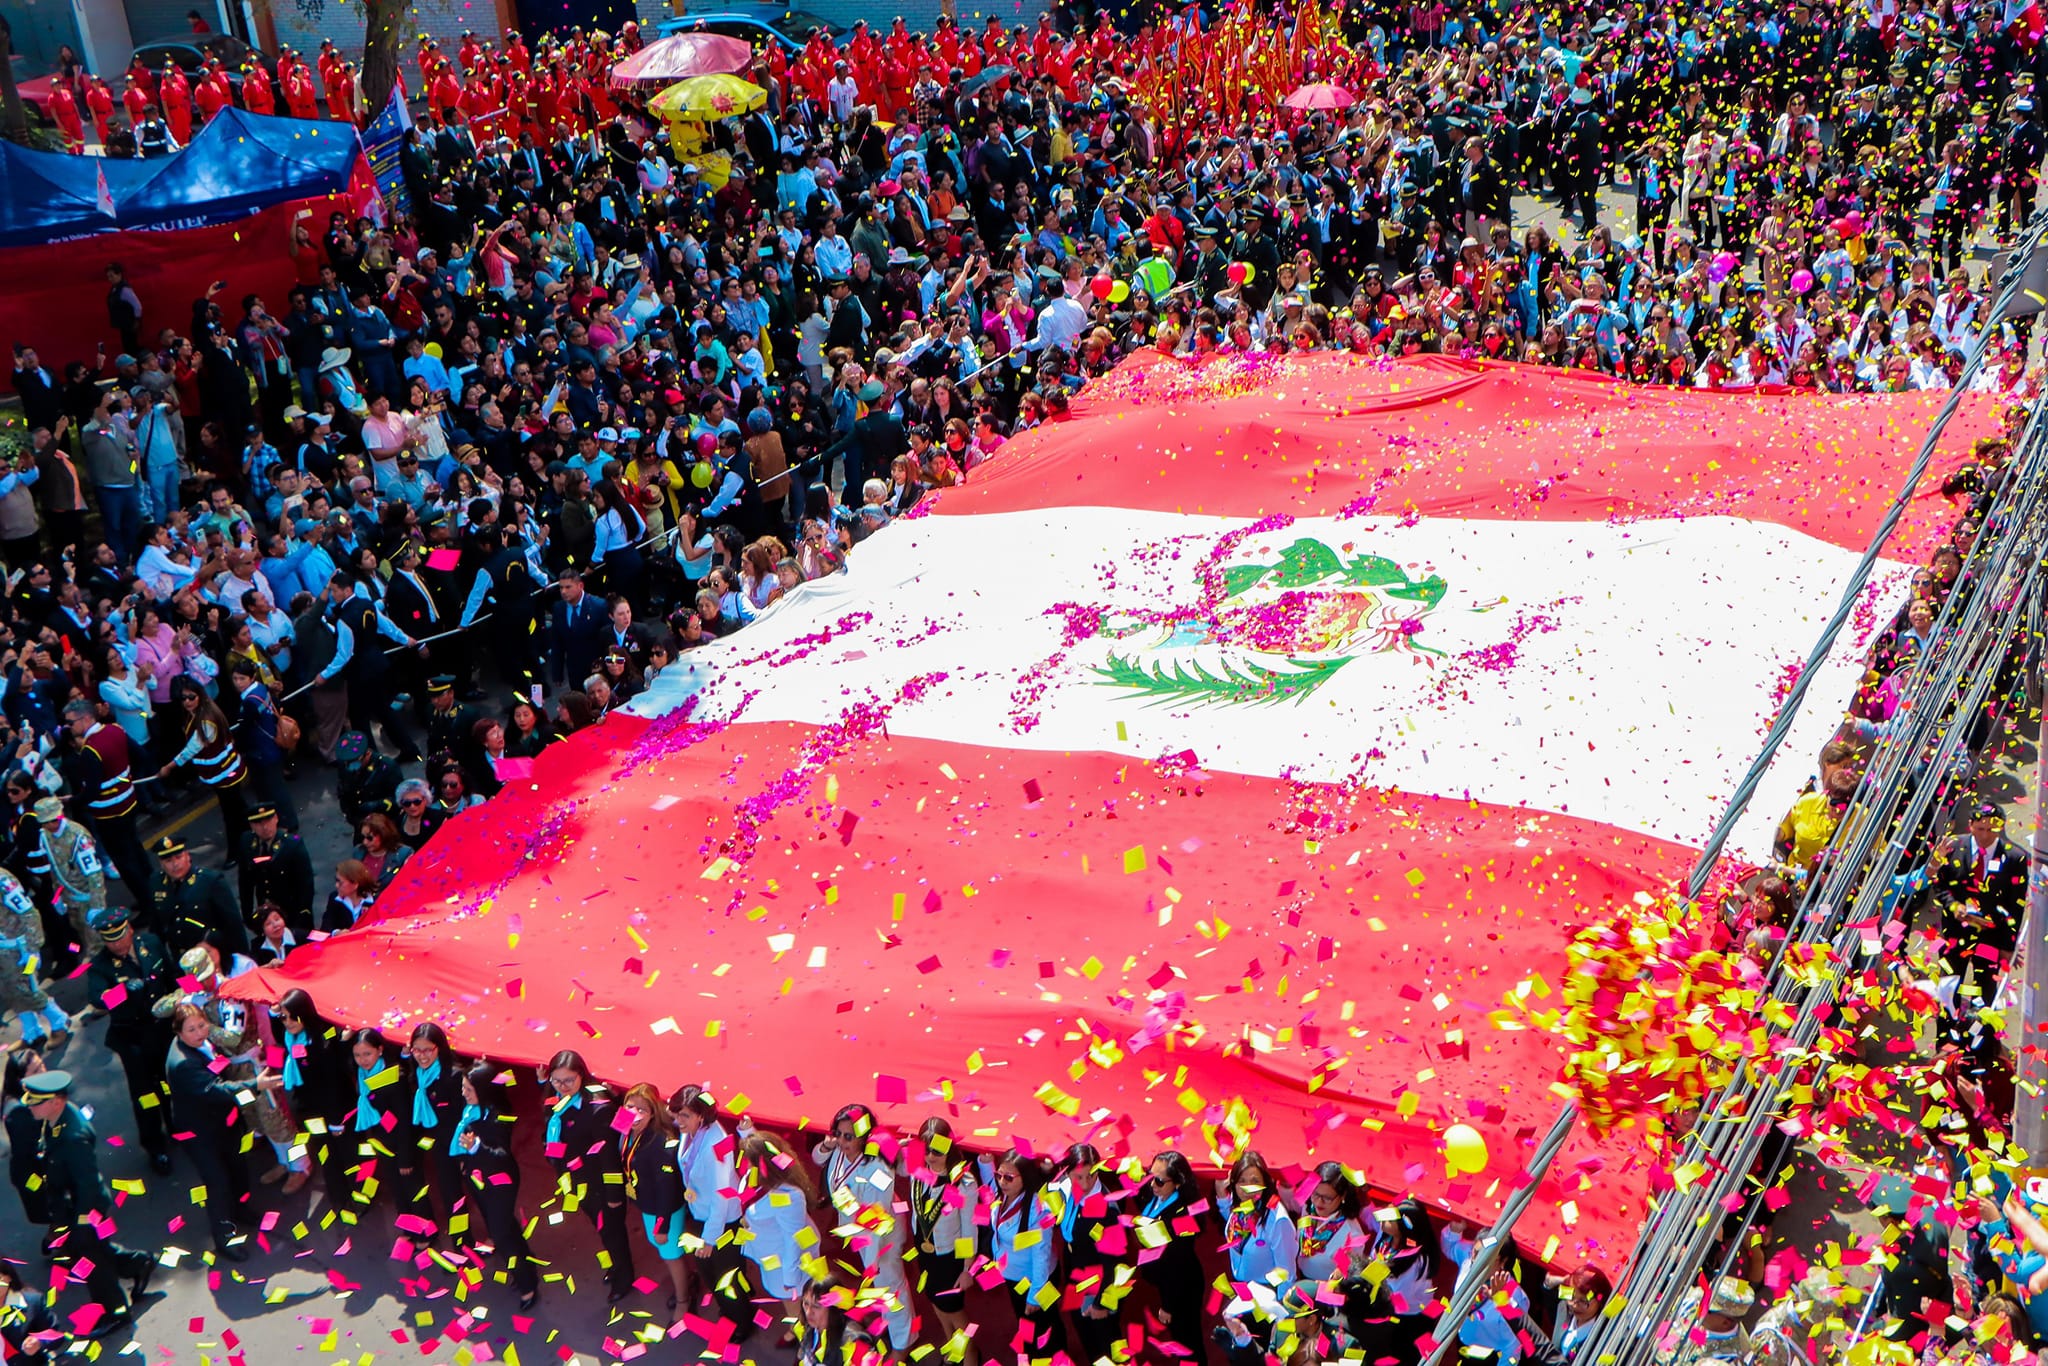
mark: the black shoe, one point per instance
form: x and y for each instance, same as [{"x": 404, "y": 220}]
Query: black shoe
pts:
[
  {"x": 617, "y": 1293},
  {"x": 119, "y": 1321},
  {"x": 160, "y": 1163},
  {"x": 231, "y": 1252},
  {"x": 139, "y": 1282},
  {"x": 529, "y": 1299}
]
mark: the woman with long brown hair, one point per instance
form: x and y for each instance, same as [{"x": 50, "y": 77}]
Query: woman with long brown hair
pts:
[
  {"x": 647, "y": 1152},
  {"x": 943, "y": 1199},
  {"x": 710, "y": 1184},
  {"x": 619, "y": 530},
  {"x": 482, "y": 1148},
  {"x": 207, "y": 743},
  {"x": 582, "y": 1147},
  {"x": 777, "y": 1197}
]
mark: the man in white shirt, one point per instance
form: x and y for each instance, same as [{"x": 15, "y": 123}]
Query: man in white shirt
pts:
[
  {"x": 1064, "y": 318},
  {"x": 242, "y": 577},
  {"x": 834, "y": 253},
  {"x": 842, "y": 92},
  {"x": 155, "y": 566}
]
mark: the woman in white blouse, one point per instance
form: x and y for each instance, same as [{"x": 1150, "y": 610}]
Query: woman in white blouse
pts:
[
  {"x": 781, "y": 1241},
  {"x": 862, "y": 1189},
  {"x": 711, "y": 1199},
  {"x": 1330, "y": 1245},
  {"x": 1024, "y": 1244},
  {"x": 1260, "y": 1238}
]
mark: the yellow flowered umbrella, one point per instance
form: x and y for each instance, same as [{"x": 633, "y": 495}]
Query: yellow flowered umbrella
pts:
[{"x": 708, "y": 97}]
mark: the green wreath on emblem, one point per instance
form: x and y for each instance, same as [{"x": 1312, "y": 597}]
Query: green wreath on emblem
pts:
[{"x": 1327, "y": 604}]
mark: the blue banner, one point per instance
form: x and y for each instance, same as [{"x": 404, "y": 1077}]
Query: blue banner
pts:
[{"x": 384, "y": 144}]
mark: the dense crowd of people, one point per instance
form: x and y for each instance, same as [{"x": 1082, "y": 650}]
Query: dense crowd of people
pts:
[{"x": 602, "y": 393}]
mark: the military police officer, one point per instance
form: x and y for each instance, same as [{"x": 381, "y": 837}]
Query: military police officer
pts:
[
  {"x": 129, "y": 974},
  {"x": 451, "y": 723},
  {"x": 275, "y": 869},
  {"x": 191, "y": 902},
  {"x": 67, "y": 1156}
]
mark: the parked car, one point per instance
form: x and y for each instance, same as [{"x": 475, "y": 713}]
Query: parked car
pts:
[
  {"x": 34, "y": 90},
  {"x": 756, "y": 24},
  {"x": 192, "y": 51}
]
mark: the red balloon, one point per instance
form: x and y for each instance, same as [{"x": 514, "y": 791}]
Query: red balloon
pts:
[
  {"x": 1235, "y": 272},
  {"x": 1102, "y": 285},
  {"x": 1844, "y": 229}
]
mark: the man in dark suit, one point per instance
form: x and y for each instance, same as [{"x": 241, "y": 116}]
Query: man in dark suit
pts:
[
  {"x": 411, "y": 603},
  {"x": 67, "y": 1154},
  {"x": 576, "y": 628},
  {"x": 1980, "y": 884},
  {"x": 1482, "y": 189}
]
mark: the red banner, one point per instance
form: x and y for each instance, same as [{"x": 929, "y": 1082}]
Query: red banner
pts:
[{"x": 56, "y": 291}]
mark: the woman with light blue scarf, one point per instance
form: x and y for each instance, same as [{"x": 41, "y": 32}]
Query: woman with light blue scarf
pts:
[
  {"x": 312, "y": 1067},
  {"x": 428, "y": 1182},
  {"x": 481, "y": 1146},
  {"x": 373, "y": 1121}
]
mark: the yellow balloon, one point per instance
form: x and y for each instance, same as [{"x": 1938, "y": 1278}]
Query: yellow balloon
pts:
[
  {"x": 1248, "y": 273},
  {"x": 700, "y": 475},
  {"x": 1464, "y": 1149},
  {"x": 433, "y": 349},
  {"x": 1119, "y": 292}
]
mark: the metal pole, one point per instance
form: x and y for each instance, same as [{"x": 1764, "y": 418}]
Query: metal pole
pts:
[{"x": 2030, "y": 1113}]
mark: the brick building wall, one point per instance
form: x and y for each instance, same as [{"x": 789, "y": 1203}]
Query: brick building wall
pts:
[{"x": 303, "y": 24}]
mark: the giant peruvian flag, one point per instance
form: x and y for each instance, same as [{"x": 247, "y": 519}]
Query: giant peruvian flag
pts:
[{"x": 1202, "y": 774}]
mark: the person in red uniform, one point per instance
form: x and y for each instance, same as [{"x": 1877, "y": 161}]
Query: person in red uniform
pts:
[
  {"x": 327, "y": 63},
  {"x": 174, "y": 97},
  {"x": 547, "y": 105},
  {"x": 136, "y": 101},
  {"x": 140, "y": 75},
  {"x": 466, "y": 56},
  {"x": 519, "y": 117},
  {"x": 598, "y": 88},
  {"x": 445, "y": 93},
  {"x": 516, "y": 53},
  {"x": 340, "y": 81},
  {"x": 64, "y": 113},
  {"x": 99, "y": 102},
  {"x": 299, "y": 95},
  {"x": 213, "y": 93},
  {"x": 480, "y": 108},
  {"x": 257, "y": 96},
  {"x": 427, "y": 60},
  {"x": 897, "y": 78}
]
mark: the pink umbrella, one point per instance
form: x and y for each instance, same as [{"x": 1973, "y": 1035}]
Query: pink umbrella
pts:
[
  {"x": 683, "y": 55},
  {"x": 1320, "y": 96}
]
